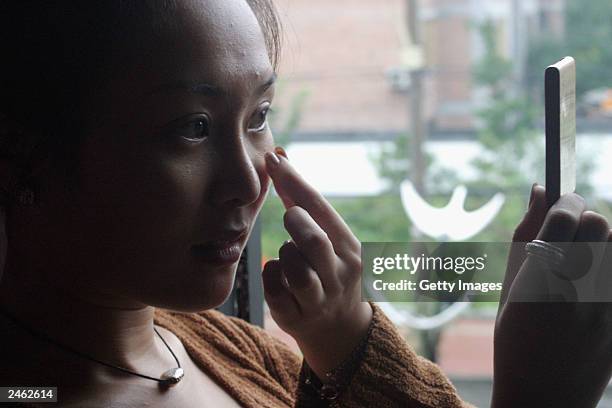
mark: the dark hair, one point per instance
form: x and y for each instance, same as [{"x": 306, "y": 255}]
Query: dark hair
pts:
[{"x": 50, "y": 48}]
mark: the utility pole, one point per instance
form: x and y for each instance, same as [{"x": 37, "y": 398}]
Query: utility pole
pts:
[{"x": 417, "y": 125}]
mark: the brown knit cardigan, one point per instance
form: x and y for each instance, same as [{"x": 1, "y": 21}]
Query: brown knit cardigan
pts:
[{"x": 259, "y": 371}]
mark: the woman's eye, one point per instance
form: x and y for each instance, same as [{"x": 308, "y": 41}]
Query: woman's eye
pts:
[
  {"x": 259, "y": 120},
  {"x": 196, "y": 129}
]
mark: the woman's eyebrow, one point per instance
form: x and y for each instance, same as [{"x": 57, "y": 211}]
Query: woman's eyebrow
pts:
[
  {"x": 264, "y": 87},
  {"x": 205, "y": 89}
]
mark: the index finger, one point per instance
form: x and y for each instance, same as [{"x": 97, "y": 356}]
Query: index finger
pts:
[
  {"x": 292, "y": 188},
  {"x": 526, "y": 231}
]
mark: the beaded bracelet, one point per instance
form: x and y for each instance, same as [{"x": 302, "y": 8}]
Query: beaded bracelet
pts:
[{"x": 337, "y": 379}]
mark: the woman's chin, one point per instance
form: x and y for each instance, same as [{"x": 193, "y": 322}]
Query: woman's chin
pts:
[{"x": 199, "y": 295}]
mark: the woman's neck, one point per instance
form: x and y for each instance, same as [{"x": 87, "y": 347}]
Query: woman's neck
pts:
[{"x": 92, "y": 324}]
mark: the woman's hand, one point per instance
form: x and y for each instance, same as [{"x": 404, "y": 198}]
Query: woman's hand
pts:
[
  {"x": 319, "y": 304},
  {"x": 552, "y": 354}
]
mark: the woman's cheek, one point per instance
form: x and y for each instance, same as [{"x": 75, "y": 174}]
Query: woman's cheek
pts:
[
  {"x": 266, "y": 188},
  {"x": 260, "y": 166},
  {"x": 265, "y": 183}
]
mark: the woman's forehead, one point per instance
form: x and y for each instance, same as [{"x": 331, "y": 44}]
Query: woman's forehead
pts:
[
  {"x": 205, "y": 45},
  {"x": 218, "y": 26},
  {"x": 213, "y": 42},
  {"x": 216, "y": 41}
]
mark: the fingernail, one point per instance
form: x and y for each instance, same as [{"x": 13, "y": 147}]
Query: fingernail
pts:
[
  {"x": 272, "y": 159},
  {"x": 280, "y": 151}
]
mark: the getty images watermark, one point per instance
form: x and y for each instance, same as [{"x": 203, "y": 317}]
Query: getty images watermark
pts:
[{"x": 475, "y": 272}]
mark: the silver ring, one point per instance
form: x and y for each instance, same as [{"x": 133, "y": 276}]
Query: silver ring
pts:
[
  {"x": 553, "y": 255},
  {"x": 553, "y": 247}
]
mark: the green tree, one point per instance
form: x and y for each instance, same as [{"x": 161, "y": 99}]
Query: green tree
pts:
[
  {"x": 587, "y": 34},
  {"x": 393, "y": 163},
  {"x": 284, "y": 126},
  {"x": 507, "y": 124},
  {"x": 513, "y": 145}
]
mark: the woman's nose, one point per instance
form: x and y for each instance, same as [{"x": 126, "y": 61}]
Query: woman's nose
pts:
[{"x": 238, "y": 175}]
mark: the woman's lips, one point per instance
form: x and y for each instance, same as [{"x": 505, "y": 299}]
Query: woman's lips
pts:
[{"x": 219, "y": 252}]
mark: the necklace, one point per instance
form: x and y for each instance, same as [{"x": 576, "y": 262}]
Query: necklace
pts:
[{"x": 168, "y": 378}]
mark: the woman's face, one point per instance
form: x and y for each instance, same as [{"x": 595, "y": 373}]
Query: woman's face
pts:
[{"x": 176, "y": 159}]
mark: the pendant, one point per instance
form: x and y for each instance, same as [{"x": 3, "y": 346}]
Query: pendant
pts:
[{"x": 172, "y": 376}]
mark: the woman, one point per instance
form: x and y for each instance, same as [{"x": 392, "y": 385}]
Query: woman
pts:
[{"x": 137, "y": 156}]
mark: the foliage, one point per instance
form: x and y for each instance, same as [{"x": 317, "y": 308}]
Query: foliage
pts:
[
  {"x": 284, "y": 126},
  {"x": 507, "y": 124},
  {"x": 588, "y": 31},
  {"x": 392, "y": 162},
  {"x": 493, "y": 69}
]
